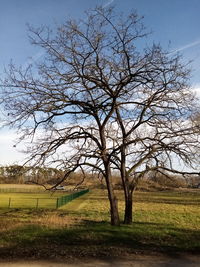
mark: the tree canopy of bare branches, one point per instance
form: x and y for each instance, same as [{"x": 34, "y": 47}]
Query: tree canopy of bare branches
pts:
[{"x": 99, "y": 101}]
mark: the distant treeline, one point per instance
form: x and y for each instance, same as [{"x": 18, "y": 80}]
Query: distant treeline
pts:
[
  {"x": 23, "y": 174},
  {"x": 47, "y": 175},
  {"x": 19, "y": 174}
]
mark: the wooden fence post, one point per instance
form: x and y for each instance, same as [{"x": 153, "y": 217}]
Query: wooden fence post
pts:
[
  {"x": 37, "y": 203},
  {"x": 9, "y": 205},
  {"x": 57, "y": 203}
]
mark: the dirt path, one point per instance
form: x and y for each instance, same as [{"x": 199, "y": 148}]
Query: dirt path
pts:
[{"x": 137, "y": 261}]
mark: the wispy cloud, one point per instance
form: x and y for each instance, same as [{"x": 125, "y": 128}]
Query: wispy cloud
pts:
[
  {"x": 108, "y": 3},
  {"x": 187, "y": 46}
]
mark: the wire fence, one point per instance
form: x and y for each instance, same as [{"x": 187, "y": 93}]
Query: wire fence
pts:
[
  {"x": 65, "y": 199},
  {"x": 38, "y": 202}
]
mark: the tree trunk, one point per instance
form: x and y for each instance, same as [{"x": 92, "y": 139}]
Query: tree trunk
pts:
[
  {"x": 114, "y": 213},
  {"x": 128, "y": 214}
]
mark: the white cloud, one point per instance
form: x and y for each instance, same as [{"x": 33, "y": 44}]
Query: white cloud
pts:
[
  {"x": 9, "y": 153},
  {"x": 196, "y": 90}
]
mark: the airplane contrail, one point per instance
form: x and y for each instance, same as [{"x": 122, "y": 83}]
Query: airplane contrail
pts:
[
  {"x": 186, "y": 46},
  {"x": 108, "y": 3}
]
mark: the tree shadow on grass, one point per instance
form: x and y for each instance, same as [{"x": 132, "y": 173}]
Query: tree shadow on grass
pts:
[
  {"x": 99, "y": 240},
  {"x": 170, "y": 201},
  {"x": 161, "y": 200}
]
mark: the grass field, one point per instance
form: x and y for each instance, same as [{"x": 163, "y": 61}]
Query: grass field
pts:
[
  {"x": 28, "y": 196},
  {"x": 29, "y": 200},
  {"x": 167, "y": 222}
]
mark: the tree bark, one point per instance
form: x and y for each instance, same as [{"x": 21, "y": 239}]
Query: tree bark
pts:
[
  {"x": 114, "y": 212},
  {"x": 128, "y": 214}
]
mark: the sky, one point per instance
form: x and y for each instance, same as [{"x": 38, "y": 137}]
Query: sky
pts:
[{"x": 175, "y": 24}]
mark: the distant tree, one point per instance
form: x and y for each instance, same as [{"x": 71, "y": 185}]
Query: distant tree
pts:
[
  {"x": 44, "y": 175},
  {"x": 13, "y": 173},
  {"x": 2, "y": 173},
  {"x": 96, "y": 102},
  {"x": 35, "y": 174}
]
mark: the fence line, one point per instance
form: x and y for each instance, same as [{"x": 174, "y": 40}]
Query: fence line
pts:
[
  {"x": 66, "y": 199},
  {"x": 38, "y": 202}
]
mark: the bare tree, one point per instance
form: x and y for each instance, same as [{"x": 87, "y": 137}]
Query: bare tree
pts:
[{"x": 97, "y": 102}]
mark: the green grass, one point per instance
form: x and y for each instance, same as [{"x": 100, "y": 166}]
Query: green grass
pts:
[
  {"x": 163, "y": 222},
  {"x": 30, "y": 200}
]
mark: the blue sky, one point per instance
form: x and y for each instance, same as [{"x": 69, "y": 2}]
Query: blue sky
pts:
[{"x": 171, "y": 21}]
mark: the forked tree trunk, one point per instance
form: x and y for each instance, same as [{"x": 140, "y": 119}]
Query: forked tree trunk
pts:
[{"x": 128, "y": 214}]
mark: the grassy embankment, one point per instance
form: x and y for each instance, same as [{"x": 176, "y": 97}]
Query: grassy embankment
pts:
[{"x": 163, "y": 222}]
